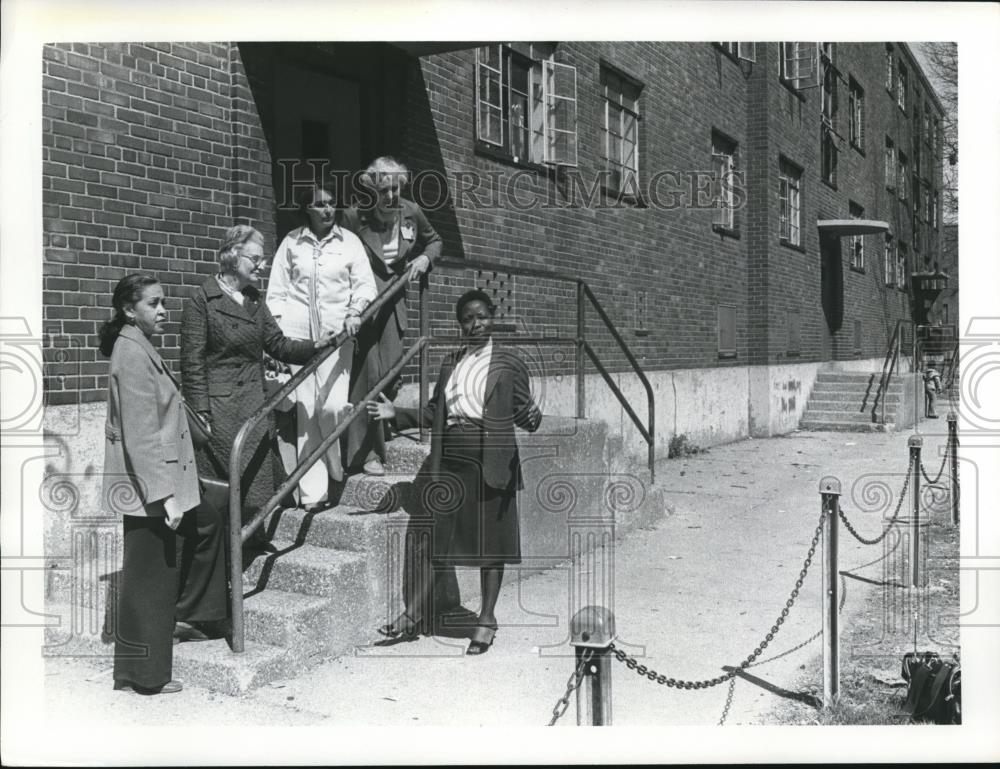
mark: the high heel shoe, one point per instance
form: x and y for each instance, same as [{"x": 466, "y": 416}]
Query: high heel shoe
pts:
[
  {"x": 404, "y": 625},
  {"x": 482, "y": 639}
]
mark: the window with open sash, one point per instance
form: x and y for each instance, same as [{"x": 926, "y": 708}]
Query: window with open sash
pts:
[
  {"x": 890, "y": 164},
  {"x": 740, "y": 51},
  {"x": 857, "y": 241},
  {"x": 902, "y": 169},
  {"x": 724, "y": 181},
  {"x": 789, "y": 203},
  {"x": 526, "y": 103},
  {"x": 901, "y": 88},
  {"x": 890, "y": 70},
  {"x": 857, "y": 106},
  {"x": 889, "y": 260},
  {"x": 621, "y": 130},
  {"x": 799, "y": 65},
  {"x": 901, "y": 258}
]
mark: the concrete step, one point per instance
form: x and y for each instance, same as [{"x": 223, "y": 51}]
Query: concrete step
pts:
[
  {"x": 839, "y": 425},
  {"x": 342, "y": 527},
  {"x": 836, "y": 415},
  {"x": 848, "y": 376},
  {"x": 287, "y": 620},
  {"x": 895, "y": 387},
  {"x": 831, "y": 401},
  {"x": 313, "y": 571}
]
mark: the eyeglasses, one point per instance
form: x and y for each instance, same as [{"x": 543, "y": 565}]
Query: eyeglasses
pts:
[
  {"x": 257, "y": 263},
  {"x": 321, "y": 206}
]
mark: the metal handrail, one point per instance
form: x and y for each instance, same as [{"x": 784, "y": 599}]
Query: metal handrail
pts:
[
  {"x": 237, "y": 532},
  {"x": 584, "y": 294},
  {"x": 888, "y": 364}
]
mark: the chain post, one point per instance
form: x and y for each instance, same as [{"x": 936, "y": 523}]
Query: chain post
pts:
[
  {"x": 915, "y": 443},
  {"x": 592, "y": 631},
  {"x": 953, "y": 460},
  {"x": 829, "y": 489}
]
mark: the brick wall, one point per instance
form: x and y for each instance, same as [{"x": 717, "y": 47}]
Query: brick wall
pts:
[{"x": 152, "y": 150}]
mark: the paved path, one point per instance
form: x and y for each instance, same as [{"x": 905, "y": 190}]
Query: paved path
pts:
[{"x": 698, "y": 591}]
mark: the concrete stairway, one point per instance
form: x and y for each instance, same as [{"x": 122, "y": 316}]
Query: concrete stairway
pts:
[
  {"x": 336, "y": 575},
  {"x": 842, "y": 400}
]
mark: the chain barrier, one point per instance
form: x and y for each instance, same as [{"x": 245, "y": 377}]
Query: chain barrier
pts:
[
  {"x": 707, "y": 683},
  {"x": 576, "y": 677},
  {"x": 892, "y": 520},
  {"x": 729, "y": 702},
  {"x": 923, "y": 471}
]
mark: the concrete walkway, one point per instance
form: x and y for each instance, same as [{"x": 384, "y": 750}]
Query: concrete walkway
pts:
[{"x": 698, "y": 591}]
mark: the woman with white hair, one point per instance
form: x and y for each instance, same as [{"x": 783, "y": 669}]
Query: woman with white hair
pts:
[
  {"x": 398, "y": 240},
  {"x": 225, "y": 330},
  {"x": 320, "y": 284}
]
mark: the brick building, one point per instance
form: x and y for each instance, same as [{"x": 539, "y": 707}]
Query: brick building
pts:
[{"x": 685, "y": 182}]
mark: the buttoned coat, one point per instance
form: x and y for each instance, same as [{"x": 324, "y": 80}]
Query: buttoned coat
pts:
[
  {"x": 222, "y": 346},
  {"x": 147, "y": 445},
  {"x": 379, "y": 343},
  {"x": 507, "y": 402}
]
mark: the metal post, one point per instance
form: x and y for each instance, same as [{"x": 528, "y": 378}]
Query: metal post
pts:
[
  {"x": 593, "y": 630},
  {"x": 236, "y": 571},
  {"x": 915, "y": 443},
  {"x": 425, "y": 331},
  {"x": 829, "y": 489},
  {"x": 953, "y": 461},
  {"x": 581, "y": 330}
]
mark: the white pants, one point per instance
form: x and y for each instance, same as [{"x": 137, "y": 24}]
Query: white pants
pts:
[{"x": 321, "y": 402}]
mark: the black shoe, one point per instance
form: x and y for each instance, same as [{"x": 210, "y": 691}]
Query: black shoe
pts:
[{"x": 170, "y": 687}]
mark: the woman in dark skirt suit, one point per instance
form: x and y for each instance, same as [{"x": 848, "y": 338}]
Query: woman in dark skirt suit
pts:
[
  {"x": 225, "y": 330},
  {"x": 398, "y": 239},
  {"x": 482, "y": 392},
  {"x": 173, "y": 565}
]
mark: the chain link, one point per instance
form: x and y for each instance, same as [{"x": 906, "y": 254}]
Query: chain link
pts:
[
  {"x": 729, "y": 702},
  {"x": 677, "y": 683},
  {"x": 576, "y": 677},
  {"x": 923, "y": 471},
  {"x": 892, "y": 520}
]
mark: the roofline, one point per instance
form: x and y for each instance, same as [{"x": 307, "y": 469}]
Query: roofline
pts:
[{"x": 928, "y": 86}]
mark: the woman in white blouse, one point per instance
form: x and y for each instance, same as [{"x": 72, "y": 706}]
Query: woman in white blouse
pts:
[{"x": 320, "y": 282}]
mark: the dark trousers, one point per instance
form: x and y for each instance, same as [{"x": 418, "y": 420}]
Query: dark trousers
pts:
[{"x": 166, "y": 575}]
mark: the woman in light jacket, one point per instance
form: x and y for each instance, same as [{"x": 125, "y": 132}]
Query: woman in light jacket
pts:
[
  {"x": 151, "y": 478},
  {"x": 320, "y": 283}
]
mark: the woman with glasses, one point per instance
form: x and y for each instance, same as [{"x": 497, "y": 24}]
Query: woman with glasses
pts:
[
  {"x": 320, "y": 284},
  {"x": 398, "y": 240},
  {"x": 225, "y": 330}
]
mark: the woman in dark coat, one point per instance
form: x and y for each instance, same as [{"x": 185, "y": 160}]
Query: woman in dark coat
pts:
[
  {"x": 482, "y": 392},
  {"x": 398, "y": 239},
  {"x": 225, "y": 329}
]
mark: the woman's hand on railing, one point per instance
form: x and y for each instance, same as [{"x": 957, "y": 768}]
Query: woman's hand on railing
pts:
[
  {"x": 418, "y": 267},
  {"x": 326, "y": 340},
  {"x": 351, "y": 324},
  {"x": 381, "y": 410}
]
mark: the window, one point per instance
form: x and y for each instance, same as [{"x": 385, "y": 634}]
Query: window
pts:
[
  {"x": 901, "y": 88},
  {"x": 934, "y": 210},
  {"x": 828, "y": 121},
  {"x": 935, "y": 137},
  {"x": 621, "y": 130},
  {"x": 857, "y": 106},
  {"x": 857, "y": 337},
  {"x": 526, "y": 103},
  {"x": 740, "y": 51},
  {"x": 727, "y": 331},
  {"x": 901, "y": 257},
  {"x": 799, "y": 65},
  {"x": 890, "y": 69},
  {"x": 917, "y": 239},
  {"x": 724, "y": 180},
  {"x": 889, "y": 261},
  {"x": 890, "y": 164},
  {"x": 789, "y": 203},
  {"x": 927, "y": 124},
  {"x": 901, "y": 172},
  {"x": 916, "y": 195},
  {"x": 857, "y": 241}
]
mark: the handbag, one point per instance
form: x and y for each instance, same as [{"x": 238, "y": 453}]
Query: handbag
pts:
[
  {"x": 935, "y": 688},
  {"x": 214, "y": 494},
  {"x": 201, "y": 431}
]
